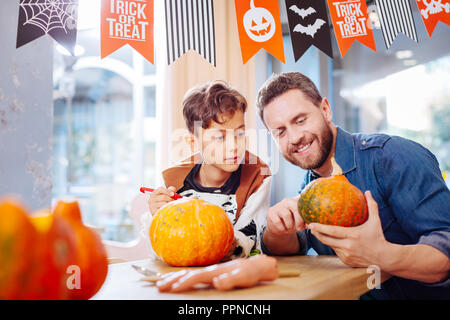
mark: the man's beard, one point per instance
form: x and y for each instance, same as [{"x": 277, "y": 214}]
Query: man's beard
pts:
[{"x": 325, "y": 141}]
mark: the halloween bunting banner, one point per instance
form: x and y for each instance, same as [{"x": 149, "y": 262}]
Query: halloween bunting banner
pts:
[
  {"x": 127, "y": 22},
  {"x": 351, "y": 23},
  {"x": 308, "y": 25},
  {"x": 57, "y": 18},
  {"x": 190, "y": 25},
  {"x": 259, "y": 27},
  {"x": 433, "y": 11},
  {"x": 395, "y": 17}
]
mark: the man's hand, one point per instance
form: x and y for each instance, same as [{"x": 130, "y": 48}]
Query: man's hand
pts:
[
  {"x": 284, "y": 218},
  {"x": 359, "y": 246},
  {"x": 159, "y": 198},
  {"x": 283, "y": 223}
]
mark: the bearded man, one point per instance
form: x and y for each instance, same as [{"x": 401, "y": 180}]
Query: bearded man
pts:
[{"x": 407, "y": 233}]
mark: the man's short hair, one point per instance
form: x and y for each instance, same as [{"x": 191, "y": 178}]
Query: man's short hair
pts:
[
  {"x": 207, "y": 101},
  {"x": 278, "y": 84}
]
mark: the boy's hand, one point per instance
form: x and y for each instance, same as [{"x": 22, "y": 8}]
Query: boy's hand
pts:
[{"x": 160, "y": 197}]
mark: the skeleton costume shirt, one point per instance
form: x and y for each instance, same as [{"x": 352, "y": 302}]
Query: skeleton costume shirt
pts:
[
  {"x": 244, "y": 197},
  {"x": 224, "y": 197}
]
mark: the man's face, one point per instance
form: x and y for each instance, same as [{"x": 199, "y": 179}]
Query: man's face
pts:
[
  {"x": 301, "y": 129},
  {"x": 223, "y": 144}
]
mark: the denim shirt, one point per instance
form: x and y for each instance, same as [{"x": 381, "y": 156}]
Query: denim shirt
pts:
[{"x": 413, "y": 201}]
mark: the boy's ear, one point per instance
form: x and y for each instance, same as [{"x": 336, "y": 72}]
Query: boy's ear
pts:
[{"x": 189, "y": 139}]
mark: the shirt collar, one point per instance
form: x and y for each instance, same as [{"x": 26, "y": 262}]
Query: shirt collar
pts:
[{"x": 345, "y": 151}]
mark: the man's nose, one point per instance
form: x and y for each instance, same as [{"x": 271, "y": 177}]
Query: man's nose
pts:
[{"x": 295, "y": 135}]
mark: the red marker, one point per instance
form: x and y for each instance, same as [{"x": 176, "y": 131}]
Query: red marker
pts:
[{"x": 174, "y": 197}]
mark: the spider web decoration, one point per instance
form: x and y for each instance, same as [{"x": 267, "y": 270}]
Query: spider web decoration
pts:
[{"x": 57, "y": 18}]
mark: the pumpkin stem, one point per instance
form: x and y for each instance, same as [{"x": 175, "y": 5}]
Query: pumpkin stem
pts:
[
  {"x": 337, "y": 171},
  {"x": 252, "y": 4}
]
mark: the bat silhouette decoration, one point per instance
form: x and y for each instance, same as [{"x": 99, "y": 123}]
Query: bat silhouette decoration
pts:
[
  {"x": 310, "y": 29},
  {"x": 302, "y": 12}
]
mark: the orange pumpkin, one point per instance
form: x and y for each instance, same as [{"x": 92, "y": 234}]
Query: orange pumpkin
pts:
[
  {"x": 56, "y": 252},
  {"x": 191, "y": 232},
  {"x": 17, "y": 242},
  {"x": 333, "y": 200},
  {"x": 91, "y": 254}
]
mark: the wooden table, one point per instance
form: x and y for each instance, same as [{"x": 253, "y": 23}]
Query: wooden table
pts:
[{"x": 322, "y": 277}]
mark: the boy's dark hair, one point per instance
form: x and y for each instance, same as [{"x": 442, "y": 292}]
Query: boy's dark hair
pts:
[
  {"x": 278, "y": 84},
  {"x": 205, "y": 102}
]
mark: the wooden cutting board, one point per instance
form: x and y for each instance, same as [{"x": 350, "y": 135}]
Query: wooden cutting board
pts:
[{"x": 321, "y": 277}]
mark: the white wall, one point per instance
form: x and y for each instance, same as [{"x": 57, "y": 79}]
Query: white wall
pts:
[{"x": 26, "y": 113}]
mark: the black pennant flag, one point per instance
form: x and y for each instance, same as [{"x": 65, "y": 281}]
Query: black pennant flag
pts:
[
  {"x": 396, "y": 17},
  {"x": 190, "y": 25},
  {"x": 308, "y": 25},
  {"x": 57, "y": 18}
]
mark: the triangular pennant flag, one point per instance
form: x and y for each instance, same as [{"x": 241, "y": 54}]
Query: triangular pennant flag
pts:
[
  {"x": 57, "y": 18},
  {"x": 308, "y": 25},
  {"x": 259, "y": 27},
  {"x": 190, "y": 25},
  {"x": 433, "y": 11},
  {"x": 351, "y": 23},
  {"x": 395, "y": 17},
  {"x": 127, "y": 22}
]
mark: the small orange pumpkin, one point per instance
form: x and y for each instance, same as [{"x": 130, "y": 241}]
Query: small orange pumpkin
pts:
[
  {"x": 56, "y": 251},
  {"x": 333, "y": 200},
  {"x": 91, "y": 254},
  {"x": 191, "y": 232},
  {"x": 17, "y": 240}
]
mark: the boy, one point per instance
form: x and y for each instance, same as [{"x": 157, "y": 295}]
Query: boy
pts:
[{"x": 223, "y": 172}]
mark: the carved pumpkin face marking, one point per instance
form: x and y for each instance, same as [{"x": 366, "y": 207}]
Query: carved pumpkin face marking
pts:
[{"x": 259, "y": 23}]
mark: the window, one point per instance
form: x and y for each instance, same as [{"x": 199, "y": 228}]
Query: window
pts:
[
  {"x": 105, "y": 128},
  {"x": 403, "y": 90},
  {"x": 413, "y": 103}
]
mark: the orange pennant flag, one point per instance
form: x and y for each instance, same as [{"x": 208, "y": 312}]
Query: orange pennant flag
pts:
[
  {"x": 351, "y": 23},
  {"x": 434, "y": 11},
  {"x": 127, "y": 22},
  {"x": 259, "y": 27}
]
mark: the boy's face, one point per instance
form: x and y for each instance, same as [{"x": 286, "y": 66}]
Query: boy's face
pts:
[{"x": 223, "y": 144}]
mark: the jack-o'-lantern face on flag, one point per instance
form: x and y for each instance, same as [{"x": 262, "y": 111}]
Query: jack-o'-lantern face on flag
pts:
[
  {"x": 259, "y": 27},
  {"x": 259, "y": 24}
]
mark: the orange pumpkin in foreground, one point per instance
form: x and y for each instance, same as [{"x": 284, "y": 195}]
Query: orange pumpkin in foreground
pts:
[
  {"x": 333, "y": 201},
  {"x": 191, "y": 232},
  {"x": 41, "y": 254},
  {"x": 91, "y": 254},
  {"x": 55, "y": 251},
  {"x": 17, "y": 238}
]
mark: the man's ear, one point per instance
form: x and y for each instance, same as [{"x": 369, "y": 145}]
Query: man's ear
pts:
[{"x": 326, "y": 109}]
